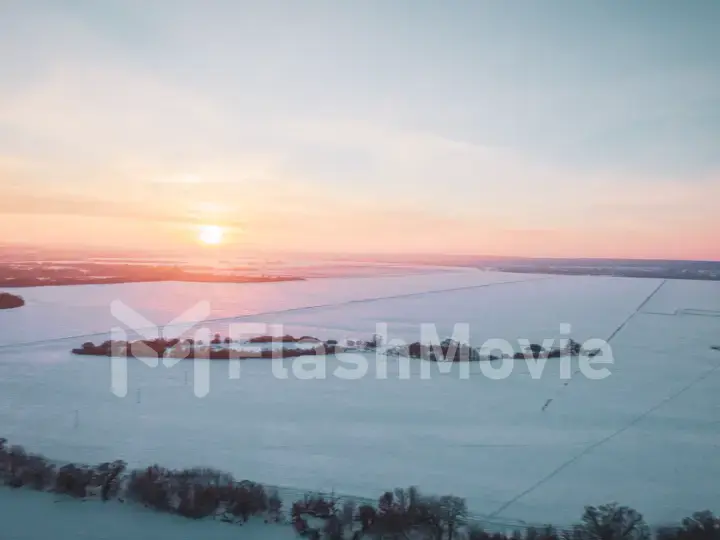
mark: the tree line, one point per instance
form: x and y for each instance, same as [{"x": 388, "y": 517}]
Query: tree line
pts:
[{"x": 402, "y": 514}]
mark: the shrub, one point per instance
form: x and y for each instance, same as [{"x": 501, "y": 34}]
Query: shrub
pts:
[
  {"x": 150, "y": 487},
  {"x": 38, "y": 474},
  {"x": 449, "y": 349},
  {"x": 197, "y": 501},
  {"x": 535, "y": 350},
  {"x": 22, "y": 469},
  {"x": 247, "y": 499},
  {"x": 10, "y": 301},
  {"x": 72, "y": 480},
  {"x": 107, "y": 476},
  {"x": 366, "y": 515},
  {"x": 314, "y": 505},
  {"x": 16, "y": 458}
]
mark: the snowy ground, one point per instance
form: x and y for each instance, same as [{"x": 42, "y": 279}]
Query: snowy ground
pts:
[
  {"x": 58, "y": 312},
  {"x": 94, "y": 520},
  {"x": 517, "y": 449}
]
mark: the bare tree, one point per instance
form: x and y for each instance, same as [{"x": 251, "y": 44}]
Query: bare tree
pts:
[
  {"x": 454, "y": 513},
  {"x": 701, "y": 526},
  {"x": 612, "y": 522}
]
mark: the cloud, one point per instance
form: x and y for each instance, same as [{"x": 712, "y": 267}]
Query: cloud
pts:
[
  {"x": 22, "y": 203},
  {"x": 290, "y": 139}
]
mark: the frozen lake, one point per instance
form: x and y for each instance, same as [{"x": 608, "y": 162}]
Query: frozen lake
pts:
[{"x": 520, "y": 448}]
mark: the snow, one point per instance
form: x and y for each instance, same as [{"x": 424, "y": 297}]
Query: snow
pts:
[
  {"x": 686, "y": 295},
  {"x": 646, "y": 436},
  {"x": 58, "y": 312},
  {"x": 94, "y": 520}
]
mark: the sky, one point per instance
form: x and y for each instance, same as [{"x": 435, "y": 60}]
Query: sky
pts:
[{"x": 524, "y": 128}]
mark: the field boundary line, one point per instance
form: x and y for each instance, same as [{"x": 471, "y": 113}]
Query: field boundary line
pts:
[
  {"x": 288, "y": 310},
  {"x": 605, "y": 439}
]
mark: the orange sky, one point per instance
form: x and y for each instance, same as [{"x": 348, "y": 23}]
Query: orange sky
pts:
[
  {"x": 350, "y": 234},
  {"x": 337, "y": 134}
]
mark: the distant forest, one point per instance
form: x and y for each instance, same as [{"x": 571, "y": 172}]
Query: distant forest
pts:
[{"x": 702, "y": 270}]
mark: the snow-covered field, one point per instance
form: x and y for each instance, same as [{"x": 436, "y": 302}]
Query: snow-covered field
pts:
[
  {"x": 520, "y": 448},
  {"x": 93, "y": 520}
]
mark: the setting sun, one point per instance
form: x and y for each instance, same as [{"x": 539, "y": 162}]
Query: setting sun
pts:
[{"x": 211, "y": 234}]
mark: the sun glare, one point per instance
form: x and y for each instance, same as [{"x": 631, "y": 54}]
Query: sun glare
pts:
[{"x": 211, "y": 234}]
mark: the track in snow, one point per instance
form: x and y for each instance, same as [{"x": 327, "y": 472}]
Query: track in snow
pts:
[
  {"x": 605, "y": 439},
  {"x": 608, "y": 340},
  {"x": 632, "y": 423},
  {"x": 288, "y": 310},
  {"x": 638, "y": 310}
]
